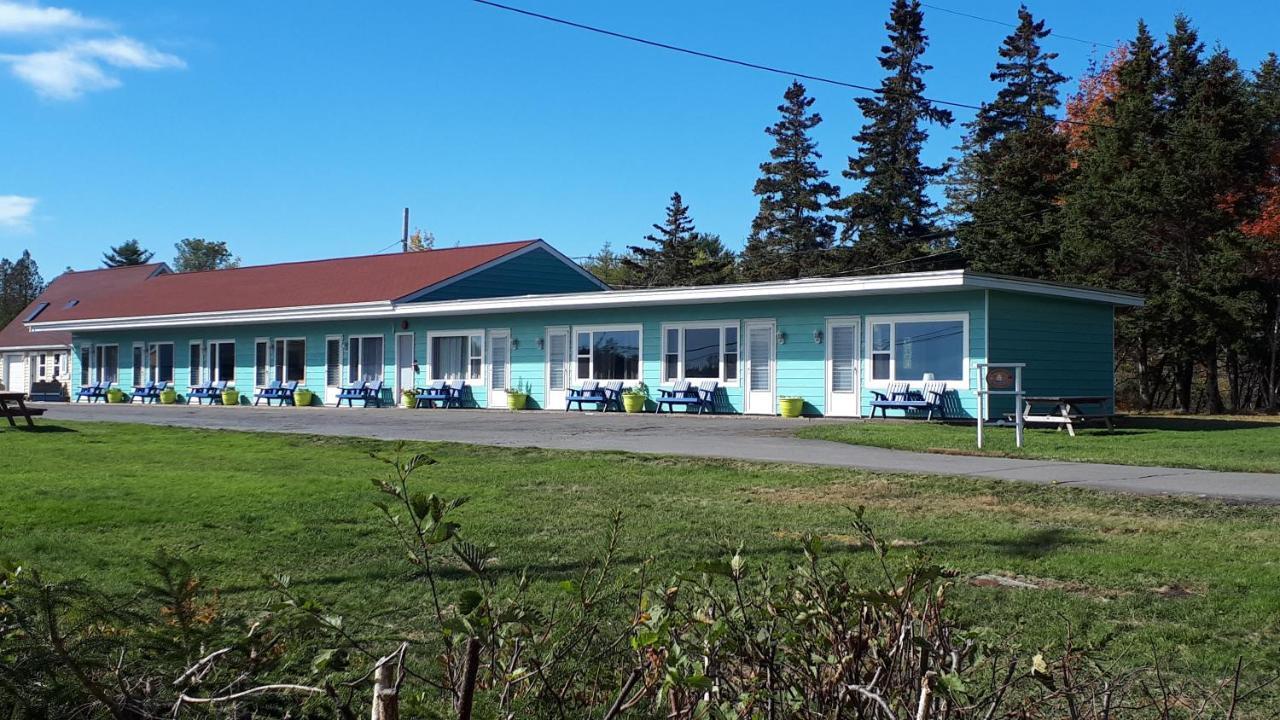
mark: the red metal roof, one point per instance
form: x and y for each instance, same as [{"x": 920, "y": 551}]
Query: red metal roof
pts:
[
  {"x": 86, "y": 287},
  {"x": 369, "y": 278}
]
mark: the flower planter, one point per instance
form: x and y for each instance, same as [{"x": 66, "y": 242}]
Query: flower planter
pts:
[
  {"x": 230, "y": 397},
  {"x": 633, "y": 403},
  {"x": 168, "y": 397},
  {"x": 516, "y": 400},
  {"x": 302, "y": 397},
  {"x": 115, "y": 395},
  {"x": 791, "y": 407},
  {"x": 408, "y": 398}
]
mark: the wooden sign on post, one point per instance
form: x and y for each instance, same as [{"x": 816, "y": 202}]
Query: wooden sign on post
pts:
[{"x": 1000, "y": 379}]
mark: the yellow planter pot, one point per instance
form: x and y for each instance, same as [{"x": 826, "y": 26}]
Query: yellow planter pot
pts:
[
  {"x": 230, "y": 397},
  {"x": 302, "y": 398},
  {"x": 633, "y": 403},
  {"x": 791, "y": 407},
  {"x": 516, "y": 401}
]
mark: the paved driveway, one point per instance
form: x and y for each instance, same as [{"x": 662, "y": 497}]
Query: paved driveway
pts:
[{"x": 737, "y": 437}]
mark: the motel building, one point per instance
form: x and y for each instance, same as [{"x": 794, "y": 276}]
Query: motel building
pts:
[{"x": 522, "y": 315}]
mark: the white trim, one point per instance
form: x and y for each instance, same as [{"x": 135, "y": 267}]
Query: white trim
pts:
[
  {"x": 497, "y": 393},
  {"x": 97, "y": 365},
  {"x": 744, "y": 343},
  {"x": 905, "y": 283},
  {"x": 199, "y": 344},
  {"x": 873, "y": 320},
  {"x": 211, "y": 365},
  {"x": 986, "y": 344},
  {"x": 268, "y": 365},
  {"x": 155, "y": 368},
  {"x": 139, "y": 371},
  {"x": 325, "y": 364},
  {"x": 278, "y": 364},
  {"x": 856, "y": 322},
  {"x": 483, "y": 380},
  {"x": 382, "y": 364},
  {"x": 30, "y": 348},
  {"x": 616, "y": 327},
  {"x": 413, "y": 358},
  {"x": 684, "y": 325},
  {"x": 547, "y": 332}
]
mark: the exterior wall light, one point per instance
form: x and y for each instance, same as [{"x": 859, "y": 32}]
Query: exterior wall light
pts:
[
  {"x": 541, "y": 343},
  {"x": 515, "y": 343},
  {"x": 817, "y": 336},
  {"x": 782, "y": 338}
]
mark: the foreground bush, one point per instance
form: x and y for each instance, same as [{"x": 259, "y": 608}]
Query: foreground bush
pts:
[{"x": 726, "y": 639}]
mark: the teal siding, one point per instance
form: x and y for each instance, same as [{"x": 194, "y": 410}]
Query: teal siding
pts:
[
  {"x": 536, "y": 272},
  {"x": 800, "y": 367},
  {"x": 1066, "y": 344}
]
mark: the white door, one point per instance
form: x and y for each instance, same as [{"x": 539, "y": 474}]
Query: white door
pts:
[
  {"x": 557, "y": 367},
  {"x": 14, "y": 378},
  {"x": 760, "y": 374},
  {"x": 333, "y": 376},
  {"x": 405, "y": 379},
  {"x": 843, "y": 385},
  {"x": 499, "y": 367}
]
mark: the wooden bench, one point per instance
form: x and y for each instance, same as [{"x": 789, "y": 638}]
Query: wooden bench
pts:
[
  {"x": 13, "y": 405},
  {"x": 900, "y": 396},
  {"x": 1066, "y": 411}
]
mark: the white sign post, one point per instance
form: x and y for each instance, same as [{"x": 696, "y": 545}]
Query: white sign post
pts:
[{"x": 1000, "y": 379}]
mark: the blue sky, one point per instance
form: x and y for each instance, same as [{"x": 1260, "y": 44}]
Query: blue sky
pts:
[{"x": 298, "y": 130}]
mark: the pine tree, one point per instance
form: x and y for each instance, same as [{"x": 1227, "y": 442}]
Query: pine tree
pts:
[
  {"x": 791, "y": 235},
  {"x": 610, "y": 267},
  {"x": 128, "y": 253},
  {"x": 890, "y": 220},
  {"x": 678, "y": 254},
  {"x": 20, "y": 284},
  {"x": 1009, "y": 183}
]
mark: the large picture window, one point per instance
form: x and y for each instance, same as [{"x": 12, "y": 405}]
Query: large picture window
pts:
[
  {"x": 107, "y": 363},
  {"x": 365, "y": 359},
  {"x": 457, "y": 356},
  {"x": 700, "y": 352},
  {"x": 291, "y": 360},
  {"x": 909, "y": 347},
  {"x": 222, "y": 361},
  {"x": 160, "y": 362},
  {"x": 608, "y": 354}
]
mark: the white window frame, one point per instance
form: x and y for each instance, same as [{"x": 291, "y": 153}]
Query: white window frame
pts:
[
  {"x": 213, "y": 364},
  {"x": 154, "y": 369},
  {"x": 681, "y": 327},
  {"x": 199, "y": 368},
  {"x": 483, "y": 379},
  {"x": 85, "y": 358},
  {"x": 267, "y": 366},
  {"x": 140, "y": 369},
  {"x": 42, "y": 365},
  {"x": 57, "y": 365},
  {"x": 892, "y": 320},
  {"x": 278, "y": 366},
  {"x": 341, "y": 366},
  {"x": 593, "y": 329},
  {"x": 97, "y": 363},
  {"x": 353, "y": 359}
]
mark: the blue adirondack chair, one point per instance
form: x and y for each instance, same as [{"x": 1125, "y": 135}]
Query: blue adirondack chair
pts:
[
  {"x": 683, "y": 393},
  {"x": 149, "y": 393},
  {"x": 367, "y": 392},
  {"x": 94, "y": 392},
  {"x": 589, "y": 392},
  {"x": 140, "y": 391},
  {"x": 612, "y": 391},
  {"x": 268, "y": 393},
  {"x": 215, "y": 392},
  {"x": 437, "y": 392},
  {"x": 199, "y": 392}
]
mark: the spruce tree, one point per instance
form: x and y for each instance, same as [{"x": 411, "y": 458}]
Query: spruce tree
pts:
[
  {"x": 792, "y": 234},
  {"x": 1009, "y": 183},
  {"x": 20, "y": 284},
  {"x": 678, "y": 254},
  {"x": 128, "y": 253},
  {"x": 889, "y": 221}
]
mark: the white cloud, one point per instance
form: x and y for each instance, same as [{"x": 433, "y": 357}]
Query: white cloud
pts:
[
  {"x": 18, "y": 17},
  {"x": 75, "y": 64},
  {"x": 15, "y": 211}
]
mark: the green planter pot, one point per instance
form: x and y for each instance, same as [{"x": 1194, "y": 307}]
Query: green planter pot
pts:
[
  {"x": 302, "y": 398},
  {"x": 409, "y": 399},
  {"x": 230, "y": 397},
  {"x": 791, "y": 407},
  {"x": 115, "y": 395},
  {"x": 516, "y": 401},
  {"x": 633, "y": 403},
  {"x": 168, "y": 397}
]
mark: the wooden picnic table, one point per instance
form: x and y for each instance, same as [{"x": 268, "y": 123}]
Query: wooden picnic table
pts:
[
  {"x": 1066, "y": 410},
  {"x": 13, "y": 405}
]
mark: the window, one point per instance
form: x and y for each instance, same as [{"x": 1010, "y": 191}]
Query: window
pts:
[
  {"x": 700, "y": 352},
  {"x": 85, "y": 354},
  {"x": 42, "y": 365},
  {"x": 222, "y": 361},
  {"x": 333, "y": 361},
  {"x": 194, "y": 363},
  {"x": 909, "y": 347},
  {"x": 608, "y": 354},
  {"x": 160, "y": 362},
  {"x": 291, "y": 360},
  {"x": 458, "y": 356},
  {"x": 57, "y": 365},
  {"x": 139, "y": 363},
  {"x": 366, "y": 359},
  {"x": 35, "y": 311},
  {"x": 261, "y": 364},
  {"x": 108, "y": 363}
]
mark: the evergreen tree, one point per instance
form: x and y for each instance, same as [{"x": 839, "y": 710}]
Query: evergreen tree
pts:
[
  {"x": 128, "y": 253},
  {"x": 890, "y": 219},
  {"x": 20, "y": 284},
  {"x": 610, "y": 267},
  {"x": 196, "y": 254},
  {"x": 1009, "y": 183},
  {"x": 791, "y": 235},
  {"x": 678, "y": 254}
]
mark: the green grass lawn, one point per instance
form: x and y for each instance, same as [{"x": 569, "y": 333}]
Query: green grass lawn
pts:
[
  {"x": 1211, "y": 443},
  {"x": 1194, "y": 583}
]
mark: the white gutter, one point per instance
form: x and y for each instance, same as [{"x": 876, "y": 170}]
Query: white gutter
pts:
[{"x": 946, "y": 280}]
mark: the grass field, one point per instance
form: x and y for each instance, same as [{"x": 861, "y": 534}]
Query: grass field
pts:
[
  {"x": 1211, "y": 443},
  {"x": 1193, "y": 583}
]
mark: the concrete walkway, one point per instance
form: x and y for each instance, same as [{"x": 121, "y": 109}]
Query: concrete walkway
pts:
[{"x": 766, "y": 439}]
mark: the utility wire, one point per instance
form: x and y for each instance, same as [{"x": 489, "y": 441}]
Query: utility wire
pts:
[{"x": 1014, "y": 25}]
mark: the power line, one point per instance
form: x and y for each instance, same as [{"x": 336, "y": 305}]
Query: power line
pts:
[{"x": 1014, "y": 25}]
